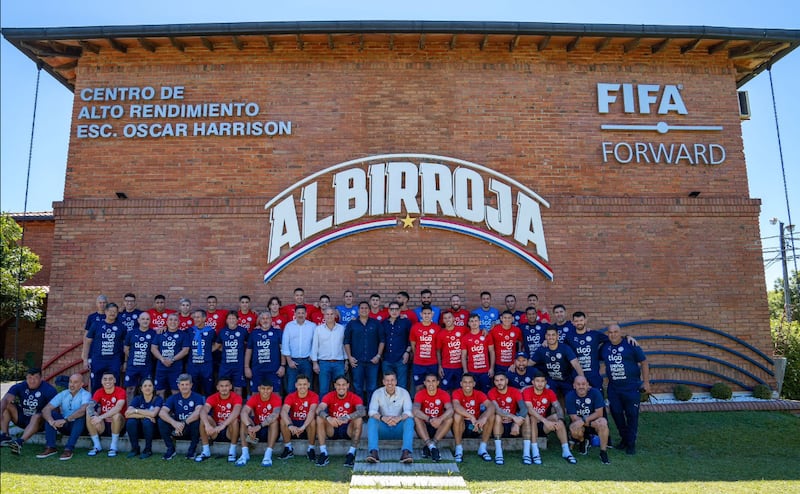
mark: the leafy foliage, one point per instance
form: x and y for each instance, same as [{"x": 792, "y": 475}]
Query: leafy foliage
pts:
[
  {"x": 12, "y": 370},
  {"x": 17, "y": 265},
  {"x": 682, "y": 392},
  {"x": 762, "y": 392},
  {"x": 721, "y": 391},
  {"x": 787, "y": 343},
  {"x": 776, "y": 301}
]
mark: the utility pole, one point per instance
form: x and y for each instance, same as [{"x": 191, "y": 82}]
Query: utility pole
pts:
[{"x": 787, "y": 295}]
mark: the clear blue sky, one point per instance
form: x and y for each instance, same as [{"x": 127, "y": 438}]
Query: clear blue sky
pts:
[{"x": 18, "y": 75}]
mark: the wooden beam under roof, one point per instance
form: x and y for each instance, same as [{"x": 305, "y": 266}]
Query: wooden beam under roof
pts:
[
  {"x": 147, "y": 44},
  {"x": 361, "y": 42},
  {"x": 115, "y": 44},
  {"x": 237, "y": 42},
  {"x": 269, "y": 42},
  {"x": 718, "y": 47},
  {"x": 391, "y": 42},
  {"x": 331, "y": 46},
  {"x": 543, "y": 43},
  {"x": 631, "y": 45},
  {"x": 765, "y": 50},
  {"x": 67, "y": 66},
  {"x": 422, "y": 41},
  {"x": 484, "y": 41},
  {"x": 89, "y": 46},
  {"x": 660, "y": 46},
  {"x": 573, "y": 44},
  {"x": 690, "y": 46},
  {"x": 207, "y": 43},
  {"x": 602, "y": 45},
  {"x": 300, "y": 43},
  {"x": 453, "y": 41},
  {"x": 512, "y": 45},
  {"x": 49, "y": 52},
  {"x": 177, "y": 43}
]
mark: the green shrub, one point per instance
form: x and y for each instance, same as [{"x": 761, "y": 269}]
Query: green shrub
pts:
[
  {"x": 682, "y": 392},
  {"x": 12, "y": 370},
  {"x": 762, "y": 392},
  {"x": 787, "y": 344},
  {"x": 721, "y": 391}
]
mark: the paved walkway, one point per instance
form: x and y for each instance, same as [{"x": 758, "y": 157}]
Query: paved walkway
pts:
[{"x": 390, "y": 476}]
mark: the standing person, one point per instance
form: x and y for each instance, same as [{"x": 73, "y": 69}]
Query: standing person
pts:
[
  {"x": 66, "y": 414},
  {"x": 200, "y": 364},
  {"x": 299, "y": 301},
  {"x": 219, "y": 418},
  {"x": 510, "y": 419},
  {"x": 507, "y": 340},
  {"x": 214, "y": 317},
  {"x": 433, "y": 416},
  {"x": 541, "y": 315},
  {"x": 426, "y": 300},
  {"x": 489, "y": 316},
  {"x": 129, "y": 316},
  {"x": 159, "y": 314},
  {"x": 561, "y": 323},
  {"x": 319, "y": 314},
  {"x": 180, "y": 417},
  {"x": 473, "y": 417},
  {"x": 279, "y": 319},
  {"x": 106, "y": 414},
  {"x": 394, "y": 332},
  {"x": 98, "y": 315},
  {"x": 298, "y": 418},
  {"x": 390, "y": 417},
  {"x": 138, "y": 357},
  {"x": 628, "y": 375},
  {"x": 585, "y": 406},
  {"x": 247, "y": 318},
  {"x": 448, "y": 352},
  {"x": 560, "y": 362},
  {"x": 103, "y": 347},
  {"x": 587, "y": 343},
  {"x": 263, "y": 358},
  {"x": 169, "y": 350},
  {"x": 376, "y": 310},
  {"x": 546, "y": 416},
  {"x": 298, "y": 336},
  {"x": 363, "y": 347},
  {"x": 511, "y": 306},
  {"x": 347, "y": 311},
  {"x": 232, "y": 340},
  {"x": 423, "y": 345},
  {"x": 327, "y": 350},
  {"x": 459, "y": 312},
  {"x": 185, "y": 319},
  {"x": 405, "y": 311},
  {"x": 477, "y": 354},
  {"x": 142, "y": 416},
  {"x": 23, "y": 405},
  {"x": 533, "y": 333},
  {"x": 260, "y": 422},
  {"x": 339, "y": 417}
]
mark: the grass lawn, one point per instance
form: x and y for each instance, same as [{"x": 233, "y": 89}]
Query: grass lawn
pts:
[{"x": 678, "y": 452}]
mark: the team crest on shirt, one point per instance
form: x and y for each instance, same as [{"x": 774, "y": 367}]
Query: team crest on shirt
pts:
[
  {"x": 544, "y": 401},
  {"x": 588, "y": 338},
  {"x": 215, "y": 316},
  {"x": 527, "y": 379},
  {"x": 228, "y": 406},
  {"x": 438, "y": 401},
  {"x": 147, "y": 337},
  {"x": 305, "y": 403},
  {"x": 191, "y": 403},
  {"x": 482, "y": 338},
  {"x": 113, "y": 399},
  {"x": 587, "y": 401},
  {"x": 269, "y": 333},
  {"x": 347, "y": 405},
  {"x": 458, "y": 334},
  {"x": 511, "y": 334},
  {"x": 431, "y": 331},
  {"x": 558, "y": 355},
  {"x": 508, "y": 399},
  {"x": 249, "y": 319},
  {"x": 472, "y": 403},
  {"x": 37, "y": 394}
]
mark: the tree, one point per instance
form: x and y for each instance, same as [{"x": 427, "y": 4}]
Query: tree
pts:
[
  {"x": 776, "y": 301},
  {"x": 17, "y": 265}
]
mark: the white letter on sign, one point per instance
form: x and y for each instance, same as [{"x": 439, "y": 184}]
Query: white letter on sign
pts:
[
  {"x": 310, "y": 224},
  {"x": 529, "y": 224},
  {"x": 351, "y": 185},
  {"x": 437, "y": 189},
  {"x": 285, "y": 229}
]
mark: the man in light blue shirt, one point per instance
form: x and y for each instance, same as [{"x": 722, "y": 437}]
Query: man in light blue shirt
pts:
[
  {"x": 327, "y": 351},
  {"x": 296, "y": 342},
  {"x": 66, "y": 413}
]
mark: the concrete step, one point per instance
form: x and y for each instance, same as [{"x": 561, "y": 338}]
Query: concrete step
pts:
[
  {"x": 361, "y": 490},
  {"x": 406, "y": 481}
]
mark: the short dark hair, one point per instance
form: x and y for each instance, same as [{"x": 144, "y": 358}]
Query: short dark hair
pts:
[
  {"x": 244, "y": 297},
  {"x": 578, "y": 314},
  {"x": 131, "y": 295},
  {"x": 423, "y": 292},
  {"x": 159, "y": 297},
  {"x": 485, "y": 293},
  {"x": 559, "y": 306}
]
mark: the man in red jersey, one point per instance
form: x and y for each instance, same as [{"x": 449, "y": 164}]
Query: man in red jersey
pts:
[
  {"x": 185, "y": 314},
  {"x": 507, "y": 340},
  {"x": 339, "y": 417},
  {"x": 545, "y": 415},
  {"x": 299, "y": 299},
  {"x": 247, "y": 318},
  {"x": 433, "y": 415},
  {"x": 448, "y": 352},
  {"x": 473, "y": 417},
  {"x": 405, "y": 311},
  {"x": 376, "y": 308},
  {"x": 477, "y": 354},
  {"x": 298, "y": 418},
  {"x": 423, "y": 345},
  {"x": 260, "y": 422},
  {"x": 214, "y": 317},
  {"x": 219, "y": 417},
  {"x": 159, "y": 314},
  {"x": 459, "y": 312},
  {"x": 106, "y": 414},
  {"x": 511, "y": 417},
  {"x": 541, "y": 315}
]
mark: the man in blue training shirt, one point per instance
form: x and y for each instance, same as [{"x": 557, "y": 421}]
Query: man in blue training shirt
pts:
[
  {"x": 232, "y": 339},
  {"x": 200, "y": 364},
  {"x": 585, "y": 407},
  {"x": 23, "y": 405},
  {"x": 263, "y": 358},
  {"x": 180, "y": 417},
  {"x": 169, "y": 350},
  {"x": 103, "y": 347}
]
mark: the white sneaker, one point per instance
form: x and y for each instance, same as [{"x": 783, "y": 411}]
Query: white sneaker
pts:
[
  {"x": 266, "y": 462},
  {"x": 242, "y": 461}
]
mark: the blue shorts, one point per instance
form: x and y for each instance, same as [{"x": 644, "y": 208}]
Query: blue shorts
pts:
[
  {"x": 452, "y": 379},
  {"x": 135, "y": 375},
  {"x": 304, "y": 434},
  {"x": 235, "y": 372},
  {"x": 167, "y": 377},
  {"x": 341, "y": 432},
  {"x": 419, "y": 372},
  {"x": 560, "y": 387}
]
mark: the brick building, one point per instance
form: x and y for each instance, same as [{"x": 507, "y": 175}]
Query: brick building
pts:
[{"x": 598, "y": 166}]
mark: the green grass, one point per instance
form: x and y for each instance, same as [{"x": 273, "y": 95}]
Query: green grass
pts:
[{"x": 678, "y": 452}]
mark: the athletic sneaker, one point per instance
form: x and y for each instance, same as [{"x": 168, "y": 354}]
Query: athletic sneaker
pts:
[
  {"x": 426, "y": 452},
  {"x": 287, "y": 453},
  {"x": 537, "y": 460},
  {"x": 498, "y": 460},
  {"x": 48, "y": 452},
  {"x": 16, "y": 447},
  {"x": 5, "y": 439},
  {"x": 435, "y": 454},
  {"x": 459, "y": 457},
  {"x": 350, "y": 460},
  {"x": 201, "y": 458},
  {"x": 373, "y": 456},
  {"x": 322, "y": 460},
  {"x": 94, "y": 451},
  {"x": 604, "y": 457},
  {"x": 231, "y": 457},
  {"x": 485, "y": 455},
  {"x": 583, "y": 448},
  {"x": 112, "y": 453},
  {"x": 170, "y": 454},
  {"x": 526, "y": 460},
  {"x": 266, "y": 462},
  {"x": 406, "y": 457},
  {"x": 242, "y": 461},
  {"x": 570, "y": 459},
  {"x": 311, "y": 454}
]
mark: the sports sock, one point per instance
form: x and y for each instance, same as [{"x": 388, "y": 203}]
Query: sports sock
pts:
[
  {"x": 96, "y": 442},
  {"x": 206, "y": 450},
  {"x": 498, "y": 447},
  {"x": 323, "y": 449},
  {"x": 459, "y": 449},
  {"x": 565, "y": 450},
  {"x": 114, "y": 441},
  {"x": 482, "y": 448},
  {"x": 534, "y": 448},
  {"x": 245, "y": 452},
  {"x": 232, "y": 449},
  {"x": 526, "y": 447},
  {"x": 352, "y": 450}
]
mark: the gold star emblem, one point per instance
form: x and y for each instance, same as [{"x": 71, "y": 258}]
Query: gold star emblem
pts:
[{"x": 408, "y": 221}]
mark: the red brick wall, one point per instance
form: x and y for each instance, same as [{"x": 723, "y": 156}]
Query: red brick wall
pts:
[
  {"x": 625, "y": 242},
  {"x": 39, "y": 239}
]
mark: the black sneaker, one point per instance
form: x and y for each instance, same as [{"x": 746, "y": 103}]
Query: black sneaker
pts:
[
  {"x": 170, "y": 454},
  {"x": 311, "y": 455},
  {"x": 287, "y": 453},
  {"x": 16, "y": 447},
  {"x": 322, "y": 459},
  {"x": 350, "y": 460},
  {"x": 604, "y": 458},
  {"x": 583, "y": 448},
  {"x": 426, "y": 452},
  {"x": 435, "y": 455},
  {"x": 5, "y": 439}
]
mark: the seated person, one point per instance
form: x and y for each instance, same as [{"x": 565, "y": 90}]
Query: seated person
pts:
[
  {"x": 23, "y": 405},
  {"x": 585, "y": 406},
  {"x": 339, "y": 417},
  {"x": 66, "y": 413},
  {"x": 219, "y": 417},
  {"x": 106, "y": 414},
  {"x": 510, "y": 419},
  {"x": 433, "y": 415},
  {"x": 390, "y": 417},
  {"x": 180, "y": 417},
  {"x": 298, "y": 418},
  {"x": 546, "y": 416},
  {"x": 260, "y": 422},
  {"x": 473, "y": 417},
  {"x": 142, "y": 415}
]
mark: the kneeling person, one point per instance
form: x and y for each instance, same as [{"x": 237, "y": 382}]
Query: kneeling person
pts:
[
  {"x": 339, "y": 417},
  {"x": 433, "y": 415},
  {"x": 298, "y": 415},
  {"x": 585, "y": 407},
  {"x": 260, "y": 422},
  {"x": 219, "y": 417},
  {"x": 546, "y": 416}
]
